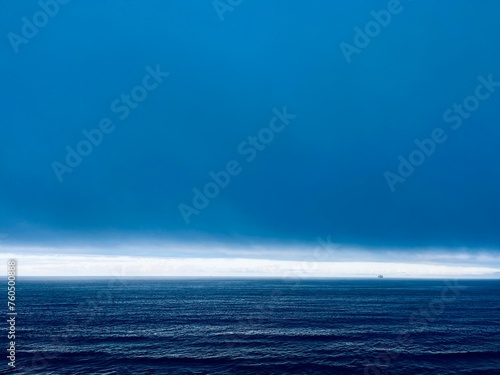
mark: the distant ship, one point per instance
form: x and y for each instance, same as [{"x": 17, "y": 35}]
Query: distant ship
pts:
[{"x": 380, "y": 276}]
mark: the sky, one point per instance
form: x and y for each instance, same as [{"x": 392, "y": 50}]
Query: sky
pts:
[{"x": 251, "y": 130}]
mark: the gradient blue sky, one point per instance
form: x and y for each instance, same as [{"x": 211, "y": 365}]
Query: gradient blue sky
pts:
[{"x": 323, "y": 175}]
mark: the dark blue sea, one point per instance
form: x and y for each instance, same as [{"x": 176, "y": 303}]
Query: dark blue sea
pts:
[{"x": 217, "y": 326}]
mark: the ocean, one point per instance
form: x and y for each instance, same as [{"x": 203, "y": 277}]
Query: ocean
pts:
[{"x": 231, "y": 326}]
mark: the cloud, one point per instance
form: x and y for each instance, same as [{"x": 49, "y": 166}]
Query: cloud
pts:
[
  {"x": 323, "y": 174},
  {"x": 34, "y": 264}
]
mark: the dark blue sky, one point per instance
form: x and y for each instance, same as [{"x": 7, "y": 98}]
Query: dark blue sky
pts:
[{"x": 322, "y": 175}]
